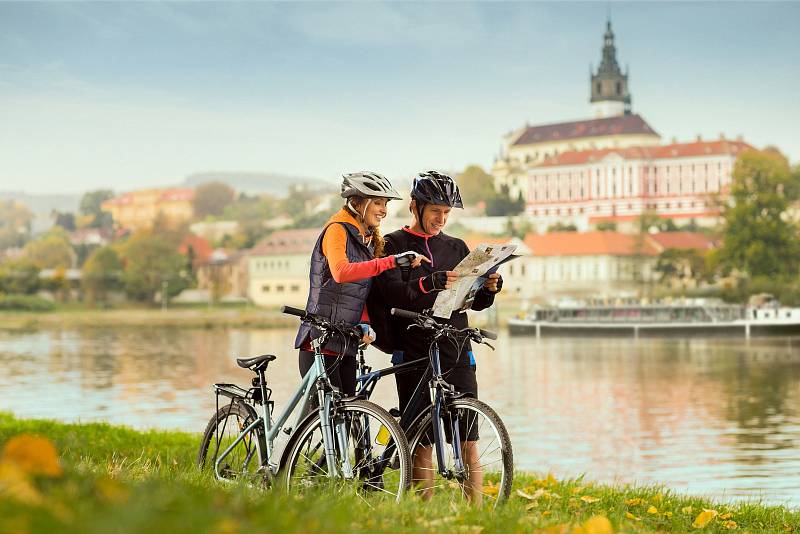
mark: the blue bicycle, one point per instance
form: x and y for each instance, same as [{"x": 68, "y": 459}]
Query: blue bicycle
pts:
[{"x": 473, "y": 457}]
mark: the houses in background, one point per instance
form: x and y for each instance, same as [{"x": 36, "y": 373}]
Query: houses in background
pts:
[
  {"x": 140, "y": 210},
  {"x": 279, "y": 266}
]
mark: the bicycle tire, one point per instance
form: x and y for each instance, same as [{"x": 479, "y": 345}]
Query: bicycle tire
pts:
[
  {"x": 244, "y": 461},
  {"x": 498, "y": 452},
  {"x": 305, "y": 464}
]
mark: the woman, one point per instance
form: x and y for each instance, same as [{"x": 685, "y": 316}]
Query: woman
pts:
[{"x": 346, "y": 256}]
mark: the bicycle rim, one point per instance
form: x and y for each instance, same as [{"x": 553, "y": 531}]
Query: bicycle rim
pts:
[
  {"x": 488, "y": 469},
  {"x": 376, "y": 461},
  {"x": 243, "y": 462}
]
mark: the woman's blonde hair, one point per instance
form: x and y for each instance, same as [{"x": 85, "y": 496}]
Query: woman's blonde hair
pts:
[{"x": 353, "y": 204}]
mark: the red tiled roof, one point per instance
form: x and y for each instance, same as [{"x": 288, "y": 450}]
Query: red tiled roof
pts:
[
  {"x": 587, "y": 244},
  {"x": 201, "y": 248},
  {"x": 676, "y": 150},
  {"x": 621, "y": 125},
  {"x": 473, "y": 241},
  {"x": 682, "y": 240},
  {"x": 299, "y": 241},
  {"x": 177, "y": 193}
]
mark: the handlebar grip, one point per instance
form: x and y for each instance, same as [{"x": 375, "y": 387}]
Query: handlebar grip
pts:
[
  {"x": 486, "y": 333},
  {"x": 405, "y": 314},
  {"x": 294, "y": 311}
]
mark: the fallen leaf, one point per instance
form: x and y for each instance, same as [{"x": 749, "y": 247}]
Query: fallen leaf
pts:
[
  {"x": 631, "y": 516},
  {"x": 598, "y": 524},
  {"x": 578, "y": 489},
  {"x": 667, "y": 514},
  {"x": 111, "y": 490},
  {"x": 730, "y": 525},
  {"x": 491, "y": 489},
  {"x": 589, "y": 499},
  {"x": 704, "y": 518},
  {"x": 546, "y": 513},
  {"x": 726, "y": 516},
  {"x": 35, "y": 455},
  {"x": 634, "y": 502},
  {"x": 687, "y": 509},
  {"x": 15, "y": 484},
  {"x": 652, "y": 510}
]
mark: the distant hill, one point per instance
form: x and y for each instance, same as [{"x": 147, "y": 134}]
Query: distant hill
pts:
[
  {"x": 256, "y": 182},
  {"x": 42, "y": 205}
]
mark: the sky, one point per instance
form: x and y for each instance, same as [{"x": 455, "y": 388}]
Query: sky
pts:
[{"x": 125, "y": 95}]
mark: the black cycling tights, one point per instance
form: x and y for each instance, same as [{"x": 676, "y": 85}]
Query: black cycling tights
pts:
[{"x": 341, "y": 371}]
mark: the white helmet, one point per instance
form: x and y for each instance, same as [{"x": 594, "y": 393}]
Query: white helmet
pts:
[{"x": 369, "y": 185}]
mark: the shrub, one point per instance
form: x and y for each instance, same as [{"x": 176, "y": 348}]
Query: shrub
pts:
[{"x": 25, "y": 303}]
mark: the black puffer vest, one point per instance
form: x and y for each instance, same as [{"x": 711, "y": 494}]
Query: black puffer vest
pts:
[{"x": 339, "y": 302}]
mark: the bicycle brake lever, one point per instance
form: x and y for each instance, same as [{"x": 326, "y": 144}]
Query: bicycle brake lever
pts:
[{"x": 488, "y": 345}]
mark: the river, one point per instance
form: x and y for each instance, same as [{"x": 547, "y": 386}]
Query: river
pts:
[{"x": 717, "y": 417}]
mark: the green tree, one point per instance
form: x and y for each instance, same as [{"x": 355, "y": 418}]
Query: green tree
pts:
[
  {"x": 52, "y": 250},
  {"x": 561, "y": 227},
  {"x": 501, "y": 203},
  {"x": 251, "y": 213},
  {"x": 758, "y": 238},
  {"x": 91, "y": 203},
  {"x": 607, "y": 226},
  {"x": 683, "y": 266},
  {"x": 211, "y": 198},
  {"x": 15, "y": 224},
  {"x": 102, "y": 273},
  {"x": 475, "y": 185},
  {"x": 19, "y": 277},
  {"x": 151, "y": 260}
]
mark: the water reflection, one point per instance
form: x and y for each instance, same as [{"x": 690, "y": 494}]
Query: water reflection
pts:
[{"x": 708, "y": 416}]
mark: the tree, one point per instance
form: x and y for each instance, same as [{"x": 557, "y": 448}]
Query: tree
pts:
[
  {"x": 19, "y": 277},
  {"x": 51, "y": 251},
  {"x": 102, "y": 273},
  {"x": 150, "y": 261},
  {"x": 682, "y": 265},
  {"x": 91, "y": 204},
  {"x": 758, "y": 237},
  {"x": 251, "y": 213},
  {"x": 211, "y": 198},
  {"x": 500, "y": 203},
  {"x": 475, "y": 185},
  {"x": 15, "y": 224},
  {"x": 607, "y": 226},
  {"x": 561, "y": 227},
  {"x": 64, "y": 220}
]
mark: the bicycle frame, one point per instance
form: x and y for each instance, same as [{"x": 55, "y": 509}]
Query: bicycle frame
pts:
[
  {"x": 438, "y": 390},
  {"x": 316, "y": 376}
]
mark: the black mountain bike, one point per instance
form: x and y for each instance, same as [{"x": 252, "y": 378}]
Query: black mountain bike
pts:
[{"x": 472, "y": 456}]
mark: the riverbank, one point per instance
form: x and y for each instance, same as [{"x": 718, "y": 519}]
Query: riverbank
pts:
[
  {"x": 100, "y": 478},
  {"x": 146, "y": 317}
]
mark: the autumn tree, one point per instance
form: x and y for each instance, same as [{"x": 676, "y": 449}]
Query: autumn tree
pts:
[
  {"x": 475, "y": 185},
  {"x": 759, "y": 240},
  {"x": 15, "y": 224},
  {"x": 102, "y": 272},
  {"x": 19, "y": 277},
  {"x": 151, "y": 260},
  {"x": 51, "y": 251},
  {"x": 211, "y": 198}
]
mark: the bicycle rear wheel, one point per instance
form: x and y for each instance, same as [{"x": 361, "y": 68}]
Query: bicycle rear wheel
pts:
[
  {"x": 486, "y": 451},
  {"x": 243, "y": 462},
  {"x": 376, "y": 451}
]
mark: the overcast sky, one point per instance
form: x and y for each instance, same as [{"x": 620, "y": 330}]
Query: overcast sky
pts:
[{"x": 127, "y": 95}]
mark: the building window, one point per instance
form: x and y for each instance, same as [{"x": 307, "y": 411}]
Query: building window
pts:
[
  {"x": 265, "y": 289},
  {"x": 619, "y": 88},
  {"x": 295, "y": 288},
  {"x": 280, "y": 288}
]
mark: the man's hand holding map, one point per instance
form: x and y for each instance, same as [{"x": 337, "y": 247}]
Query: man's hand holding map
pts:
[{"x": 472, "y": 273}]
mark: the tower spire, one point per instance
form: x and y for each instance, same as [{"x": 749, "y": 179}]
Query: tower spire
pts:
[{"x": 609, "y": 86}]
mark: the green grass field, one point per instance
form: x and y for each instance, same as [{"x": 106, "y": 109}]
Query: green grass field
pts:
[{"x": 102, "y": 478}]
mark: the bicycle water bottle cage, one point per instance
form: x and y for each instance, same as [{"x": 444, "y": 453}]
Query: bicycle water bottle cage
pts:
[{"x": 257, "y": 363}]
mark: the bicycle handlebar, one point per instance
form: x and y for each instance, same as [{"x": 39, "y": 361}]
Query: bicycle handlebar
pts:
[
  {"x": 420, "y": 319},
  {"x": 294, "y": 311}
]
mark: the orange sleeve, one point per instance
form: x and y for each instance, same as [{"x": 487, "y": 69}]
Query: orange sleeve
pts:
[{"x": 334, "y": 247}]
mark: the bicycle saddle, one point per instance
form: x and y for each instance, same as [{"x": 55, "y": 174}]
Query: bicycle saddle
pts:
[{"x": 256, "y": 363}]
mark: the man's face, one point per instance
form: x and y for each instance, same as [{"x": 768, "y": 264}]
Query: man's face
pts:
[{"x": 434, "y": 218}]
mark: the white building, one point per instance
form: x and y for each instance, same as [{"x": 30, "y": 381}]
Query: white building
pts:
[{"x": 279, "y": 268}]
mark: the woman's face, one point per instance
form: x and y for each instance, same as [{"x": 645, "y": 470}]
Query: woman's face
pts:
[{"x": 376, "y": 211}]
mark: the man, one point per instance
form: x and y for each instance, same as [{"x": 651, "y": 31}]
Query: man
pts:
[{"x": 433, "y": 196}]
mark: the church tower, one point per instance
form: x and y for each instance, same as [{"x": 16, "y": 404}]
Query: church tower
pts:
[{"x": 609, "y": 86}]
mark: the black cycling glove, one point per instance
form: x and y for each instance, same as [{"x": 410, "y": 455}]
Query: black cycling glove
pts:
[{"x": 435, "y": 281}]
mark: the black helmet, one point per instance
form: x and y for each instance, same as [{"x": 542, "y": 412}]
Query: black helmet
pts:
[
  {"x": 433, "y": 187},
  {"x": 369, "y": 185}
]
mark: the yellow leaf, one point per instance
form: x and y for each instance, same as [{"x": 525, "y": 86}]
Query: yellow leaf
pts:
[
  {"x": 578, "y": 489},
  {"x": 704, "y": 518},
  {"x": 730, "y": 525},
  {"x": 531, "y": 506},
  {"x": 686, "y": 509},
  {"x": 652, "y": 510},
  {"x": 631, "y": 516},
  {"x": 14, "y": 484},
  {"x": 35, "y": 455},
  {"x": 726, "y": 516},
  {"x": 551, "y": 480},
  {"x": 589, "y": 499},
  {"x": 634, "y": 502},
  {"x": 491, "y": 489},
  {"x": 227, "y": 525},
  {"x": 546, "y": 513},
  {"x": 667, "y": 514},
  {"x": 525, "y": 495},
  {"x": 111, "y": 490},
  {"x": 598, "y": 524}
]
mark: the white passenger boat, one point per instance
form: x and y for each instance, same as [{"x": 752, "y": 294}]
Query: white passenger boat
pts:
[{"x": 705, "y": 318}]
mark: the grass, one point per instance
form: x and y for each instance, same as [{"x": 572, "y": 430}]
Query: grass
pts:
[{"x": 116, "y": 479}]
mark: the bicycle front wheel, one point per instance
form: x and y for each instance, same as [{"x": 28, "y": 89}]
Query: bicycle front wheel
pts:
[
  {"x": 243, "y": 460},
  {"x": 487, "y": 459},
  {"x": 371, "y": 455}
]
